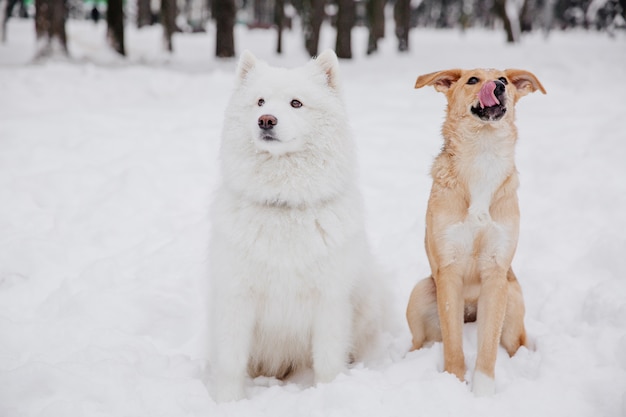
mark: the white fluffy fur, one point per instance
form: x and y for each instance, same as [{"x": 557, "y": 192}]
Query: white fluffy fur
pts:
[{"x": 292, "y": 281}]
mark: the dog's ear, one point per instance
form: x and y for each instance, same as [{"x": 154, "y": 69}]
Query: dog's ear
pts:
[
  {"x": 328, "y": 62},
  {"x": 524, "y": 81},
  {"x": 441, "y": 80},
  {"x": 247, "y": 62}
]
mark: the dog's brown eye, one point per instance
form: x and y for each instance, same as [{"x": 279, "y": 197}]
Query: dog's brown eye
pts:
[
  {"x": 472, "y": 80},
  {"x": 260, "y": 102},
  {"x": 504, "y": 80},
  {"x": 296, "y": 104}
]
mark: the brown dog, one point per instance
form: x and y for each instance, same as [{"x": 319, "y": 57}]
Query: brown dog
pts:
[{"x": 472, "y": 223}]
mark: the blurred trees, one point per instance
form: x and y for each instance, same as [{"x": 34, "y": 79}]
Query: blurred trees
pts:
[
  {"x": 346, "y": 14},
  {"x": 279, "y": 17},
  {"x": 509, "y": 19},
  {"x": 6, "y": 10},
  {"x": 313, "y": 15},
  {"x": 375, "y": 10},
  {"x": 115, "y": 26},
  {"x": 50, "y": 28},
  {"x": 144, "y": 13},
  {"x": 224, "y": 12},
  {"x": 169, "y": 11},
  {"x": 512, "y": 17},
  {"x": 402, "y": 18}
]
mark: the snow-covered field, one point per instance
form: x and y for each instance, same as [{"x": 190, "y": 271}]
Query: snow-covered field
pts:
[{"x": 106, "y": 172}]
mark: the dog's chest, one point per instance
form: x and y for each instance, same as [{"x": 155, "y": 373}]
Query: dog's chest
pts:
[
  {"x": 476, "y": 235},
  {"x": 286, "y": 239},
  {"x": 484, "y": 168}
]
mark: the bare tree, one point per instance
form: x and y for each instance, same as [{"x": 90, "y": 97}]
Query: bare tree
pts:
[
  {"x": 376, "y": 23},
  {"x": 4, "y": 16},
  {"x": 279, "y": 18},
  {"x": 402, "y": 17},
  {"x": 312, "y": 17},
  {"x": 115, "y": 26},
  {"x": 224, "y": 13},
  {"x": 6, "y": 11},
  {"x": 168, "y": 20},
  {"x": 510, "y": 20},
  {"x": 345, "y": 21},
  {"x": 50, "y": 27},
  {"x": 144, "y": 13},
  {"x": 526, "y": 16}
]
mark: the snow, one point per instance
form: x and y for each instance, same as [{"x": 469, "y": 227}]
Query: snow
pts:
[{"x": 107, "y": 168}]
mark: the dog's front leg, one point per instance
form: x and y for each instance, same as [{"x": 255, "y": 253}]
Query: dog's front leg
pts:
[
  {"x": 331, "y": 337},
  {"x": 233, "y": 325},
  {"x": 450, "y": 306},
  {"x": 492, "y": 303}
]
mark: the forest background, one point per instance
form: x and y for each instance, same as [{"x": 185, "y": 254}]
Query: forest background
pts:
[{"x": 513, "y": 17}]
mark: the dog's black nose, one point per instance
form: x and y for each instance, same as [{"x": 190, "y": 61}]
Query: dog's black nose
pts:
[
  {"x": 499, "y": 90},
  {"x": 267, "y": 121}
]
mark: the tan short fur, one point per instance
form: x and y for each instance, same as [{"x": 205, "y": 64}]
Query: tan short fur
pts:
[{"x": 472, "y": 225}]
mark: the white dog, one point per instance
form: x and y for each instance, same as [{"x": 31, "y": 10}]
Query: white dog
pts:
[{"x": 292, "y": 279}]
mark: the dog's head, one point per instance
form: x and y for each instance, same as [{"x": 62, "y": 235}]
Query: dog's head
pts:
[
  {"x": 286, "y": 110},
  {"x": 488, "y": 95}
]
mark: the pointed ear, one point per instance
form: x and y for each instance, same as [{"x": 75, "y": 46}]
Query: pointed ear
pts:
[
  {"x": 524, "y": 81},
  {"x": 247, "y": 62},
  {"x": 441, "y": 80},
  {"x": 328, "y": 62}
]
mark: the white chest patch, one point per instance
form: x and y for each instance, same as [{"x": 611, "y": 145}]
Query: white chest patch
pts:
[{"x": 485, "y": 173}]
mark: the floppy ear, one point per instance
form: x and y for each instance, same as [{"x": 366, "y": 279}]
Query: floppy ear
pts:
[
  {"x": 442, "y": 80},
  {"x": 247, "y": 62},
  {"x": 524, "y": 81},
  {"x": 328, "y": 62}
]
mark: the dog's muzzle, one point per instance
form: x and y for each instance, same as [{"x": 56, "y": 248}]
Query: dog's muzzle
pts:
[
  {"x": 491, "y": 104},
  {"x": 266, "y": 124}
]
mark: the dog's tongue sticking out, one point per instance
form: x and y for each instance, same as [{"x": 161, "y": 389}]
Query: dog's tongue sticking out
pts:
[{"x": 486, "y": 95}]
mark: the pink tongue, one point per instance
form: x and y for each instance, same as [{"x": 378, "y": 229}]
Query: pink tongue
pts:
[{"x": 486, "y": 96}]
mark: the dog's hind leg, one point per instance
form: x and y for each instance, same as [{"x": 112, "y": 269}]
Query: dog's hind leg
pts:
[
  {"x": 421, "y": 314},
  {"x": 513, "y": 331}
]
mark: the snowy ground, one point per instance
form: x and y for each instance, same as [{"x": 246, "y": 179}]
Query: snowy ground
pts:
[{"x": 106, "y": 173}]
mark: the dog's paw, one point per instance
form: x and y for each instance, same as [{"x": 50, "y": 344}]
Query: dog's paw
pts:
[
  {"x": 483, "y": 385},
  {"x": 327, "y": 372},
  {"x": 322, "y": 377}
]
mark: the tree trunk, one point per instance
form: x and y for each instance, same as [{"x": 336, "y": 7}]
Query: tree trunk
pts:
[
  {"x": 345, "y": 22},
  {"x": 50, "y": 27},
  {"x": 224, "y": 12},
  {"x": 402, "y": 17},
  {"x": 4, "y": 16},
  {"x": 313, "y": 16},
  {"x": 279, "y": 20},
  {"x": 168, "y": 20},
  {"x": 501, "y": 10},
  {"x": 115, "y": 26},
  {"x": 376, "y": 23},
  {"x": 144, "y": 13},
  {"x": 526, "y": 16}
]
